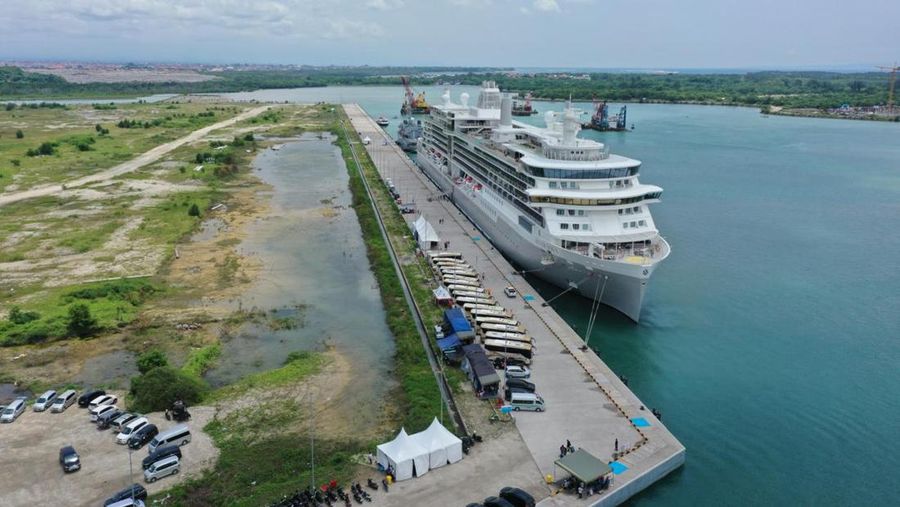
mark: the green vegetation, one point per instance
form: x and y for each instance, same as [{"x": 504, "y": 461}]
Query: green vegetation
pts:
[
  {"x": 151, "y": 359},
  {"x": 297, "y": 366},
  {"x": 161, "y": 386},
  {"x": 420, "y": 398},
  {"x": 81, "y": 311},
  {"x": 202, "y": 359}
]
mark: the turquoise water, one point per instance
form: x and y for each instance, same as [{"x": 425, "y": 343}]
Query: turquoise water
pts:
[{"x": 770, "y": 339}]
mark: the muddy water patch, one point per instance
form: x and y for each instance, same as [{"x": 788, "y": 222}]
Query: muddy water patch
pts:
[{"x": 313, "y": 257}]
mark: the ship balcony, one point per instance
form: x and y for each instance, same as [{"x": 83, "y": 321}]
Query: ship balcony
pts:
[{"x": 644, "y": 253}]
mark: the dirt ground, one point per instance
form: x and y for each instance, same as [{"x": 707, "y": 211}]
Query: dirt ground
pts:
[{"x": 29, "y": 458}]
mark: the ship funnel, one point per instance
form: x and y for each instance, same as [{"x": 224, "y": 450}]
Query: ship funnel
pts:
[
  {"x": 506, "y": 111},
  {"x": 445, "y": 97},
  {"x": 464, "y": 99}
]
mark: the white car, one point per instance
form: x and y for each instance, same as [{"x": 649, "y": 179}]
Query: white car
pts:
[
  {"x": 44, "y": 401},
  {"x": 515, "y": 371},
  {"x": 510, "y": 291},
  {"x": 130, "y": 428},
  {"x": 104, "y": 399},
  {"x": 99, "y": 410}
]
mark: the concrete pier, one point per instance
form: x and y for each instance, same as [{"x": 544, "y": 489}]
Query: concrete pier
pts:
[{"x": 586, "y": 403}]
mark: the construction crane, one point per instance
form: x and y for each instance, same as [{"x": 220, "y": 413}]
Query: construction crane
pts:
[
  {"x": 414, "y": 104},
  {"x": 893, "y": 81}
]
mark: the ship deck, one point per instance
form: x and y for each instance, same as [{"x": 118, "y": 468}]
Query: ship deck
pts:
[{"x": 586, "y": 402}]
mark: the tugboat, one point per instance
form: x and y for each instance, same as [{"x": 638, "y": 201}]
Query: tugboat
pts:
[
  {"x": 523, "y": 109},
  {"x": 409, "y": 133},
  {"x": 382, "y": 121}
]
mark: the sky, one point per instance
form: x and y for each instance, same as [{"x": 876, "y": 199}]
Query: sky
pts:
[{"x": 504, "y": 33}]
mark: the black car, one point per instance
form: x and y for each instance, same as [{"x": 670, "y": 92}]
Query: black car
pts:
[
  {"x": 69, "y": 459},
  {"x": 493, "y": 501},
  {"x": 106, "y": 418},
  {"x": 142, "y": 436},
  {"x": 140, "y": 493},
  {"x": 520, "y": 383},
  {"x": 160, "y": 453},
  {"x": 517, "y": 497},
  {"x": 85, "y": 399}
]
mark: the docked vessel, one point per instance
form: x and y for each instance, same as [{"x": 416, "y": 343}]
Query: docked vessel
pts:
[
  {"x": 409, "y": 133},
  {"x": 382, "y": 121},
  {"x": 562, "y": 207},
  {"x": 523, "y": 108}
]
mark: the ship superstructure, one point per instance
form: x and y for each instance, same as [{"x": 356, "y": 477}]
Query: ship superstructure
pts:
[{"x": 562, "y": 207}]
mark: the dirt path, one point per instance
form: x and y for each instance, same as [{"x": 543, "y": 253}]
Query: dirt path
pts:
[{"x": 141, "y": 160}]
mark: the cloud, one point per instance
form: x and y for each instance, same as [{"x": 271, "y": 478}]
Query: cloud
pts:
[
  {"x": 384, "y": 5},
  {"x": 546, "y": 5}
]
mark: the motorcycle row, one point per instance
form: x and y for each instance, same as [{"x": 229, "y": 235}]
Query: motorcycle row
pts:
[{"x": 332, "y": 495}]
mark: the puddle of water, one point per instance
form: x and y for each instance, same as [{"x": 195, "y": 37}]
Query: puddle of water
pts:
[
  {"x": 209, "y": 229},
  {"x": 111, "y": 369},
  {"x": 314, "y": 256},
  {"x": 9, "y": 392}
]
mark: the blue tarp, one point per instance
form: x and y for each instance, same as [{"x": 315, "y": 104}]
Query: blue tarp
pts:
[
  {"x": 449, "y": 343},
  {"x": 456, "y": 319}
]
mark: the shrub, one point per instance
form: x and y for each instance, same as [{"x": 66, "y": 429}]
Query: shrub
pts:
[
  {"x": 17, "y": 316},
  {"x": 150, "y": 360},
  {"x": 45, "y": 149},
  {"x": 160, "y": 387},
  {"x": 81, "y": 323},
  {"x": 20, "y": 134},
  {"x": 194, "y": 211}
]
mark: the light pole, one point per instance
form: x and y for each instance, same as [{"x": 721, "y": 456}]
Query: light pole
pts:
[{"x": 131, "y": 473}]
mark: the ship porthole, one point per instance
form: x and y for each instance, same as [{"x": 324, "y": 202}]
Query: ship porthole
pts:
[{"x": 646, "y": 272}]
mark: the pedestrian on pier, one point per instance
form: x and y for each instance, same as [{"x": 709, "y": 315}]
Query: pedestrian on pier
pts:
[
  {"x": 562, "y": 451},
  {"x": 617, "y": 445}
]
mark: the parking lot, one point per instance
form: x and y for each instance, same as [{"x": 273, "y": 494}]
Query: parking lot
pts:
[{"x": 29, "y": 458}]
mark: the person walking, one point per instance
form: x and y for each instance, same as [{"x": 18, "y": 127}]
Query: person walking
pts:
[{"x": 562, "y": 451}]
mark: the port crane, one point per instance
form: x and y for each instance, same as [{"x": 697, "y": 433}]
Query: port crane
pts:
[
  {"x": 893, "y": 81},
  {"x": 414, "y": 104}
]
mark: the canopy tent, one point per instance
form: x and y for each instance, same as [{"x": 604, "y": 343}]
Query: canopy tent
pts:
[
  {"x": 442, "y": 296},
  {"x": 425, "y": 234},
  {"x": 443, "y": 446},
  {"x": 584, "y": 466},
  {"x": 404, "y": 455}
]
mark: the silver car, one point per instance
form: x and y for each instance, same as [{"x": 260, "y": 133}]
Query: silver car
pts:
[
  {"x": 162, "y": 468},
  {"x": 44, "y": 401}
]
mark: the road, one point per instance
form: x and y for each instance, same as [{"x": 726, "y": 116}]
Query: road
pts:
[{"x": 134, "y": 164}]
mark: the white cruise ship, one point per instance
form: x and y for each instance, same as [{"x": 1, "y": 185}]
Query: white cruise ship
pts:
[{"x": 563, "y": 208}]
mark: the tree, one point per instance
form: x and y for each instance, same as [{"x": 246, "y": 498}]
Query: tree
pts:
[
  {"x": 17, "y": 316},
  {"x": 20, "y": 134},
  {"x": 81, "y": 323},
  {"x": 194, "y": 211},
  {"x": 45, "y": 149},
  {"x": 160, "y": 387},
  {"x": 151, "y": 359},
  {"x": 98, "y": 127}
]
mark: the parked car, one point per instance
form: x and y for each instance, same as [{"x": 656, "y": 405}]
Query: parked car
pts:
[
  {"x": 520, "y": 385},
  {"x": 160, "y": 453},
  {"x": 177, "y": 435},
  {"x": 86, "y": 398},
  {"x": 406, "y": 210},
  {"x": 493, "y": 501},
  {"x": 44, "y": 401},
  {"x": 128, "y": 502},
  {"x": 63, "y": 401},
  {"x": 69, "y": 459},
  {"x": 103, "y": 399},
  {"x": 526, "y": 401},
  {"x": 130, "y": 428},
  {"x": 438, "y": 331},
  {"x": 105, "y": 419},
  {"x": 162, "y": 468},
  {"x": 139, "y": 493},
  {"x": 119, "y": 422},
  {"x": 517, "y": 371},
  {"x": 140, "y": 437},
  {"x": 99, "y": 410},
  {"x": 517, "y": 497},
  {"x": 12, "y": 411},
  {"x": 510, "y": 291}
]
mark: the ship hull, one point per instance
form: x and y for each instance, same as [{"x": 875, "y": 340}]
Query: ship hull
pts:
[{"x": 618, "y": 285}]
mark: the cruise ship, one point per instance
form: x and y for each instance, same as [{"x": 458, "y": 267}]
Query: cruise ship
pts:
[{"x": 563, "y": 208}]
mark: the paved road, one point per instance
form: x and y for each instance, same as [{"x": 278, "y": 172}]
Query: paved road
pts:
[
  {"x": 586, "y": 402},
  {"x": 134, "y": 164}
]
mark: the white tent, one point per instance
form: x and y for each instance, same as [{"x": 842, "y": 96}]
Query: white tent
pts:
[
  {"x": 425, "y": 234},
  {"x": 404, "y": 455},
  {"x": 442, "y": 445}
]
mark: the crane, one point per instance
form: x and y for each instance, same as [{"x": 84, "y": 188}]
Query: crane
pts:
[
  {"x": 414, "y": 104},
  {"x": 893, "y": 81}
]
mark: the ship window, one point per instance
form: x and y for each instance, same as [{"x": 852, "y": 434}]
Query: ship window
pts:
[
  {"x": 564, "y": 226},
  {"x": 561, "y": 212},
  {"x": 637, "y": 209},
  {"x": 628, "y": 211},
  {"x": 642, "y": 223},
  {"x": 624, "y": 225},
  {"x": 571, "y": 213},
  {"x": 586, "y": 227},
  {"x": 564, "y": 184},
  {"x": 621, "y": 211},
  {"x": 633, "y": 224},
  {"x": 581, "y": 212},
  {"x": 552, "y": 184},
  {"x": 576, "y": 226},
  {"x": 525, "y": 223}
]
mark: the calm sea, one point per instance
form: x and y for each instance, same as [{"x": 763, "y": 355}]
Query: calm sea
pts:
[{"x": 770, "y": 339}]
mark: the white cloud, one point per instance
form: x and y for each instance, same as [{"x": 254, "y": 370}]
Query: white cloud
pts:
[
  {"x": 546, "y": 5},
  {"x": 384, "y": 5}
]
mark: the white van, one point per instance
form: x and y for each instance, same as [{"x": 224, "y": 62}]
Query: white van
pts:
[
  {"x": 97, "y": 411},
  {"x": 44, "y": 401},
  {"x": 63, "y": 401},
  {"x": 12, "y": 411},
  {"x": 162, "y": 468},
  {"x": 526, "y": 401},
  {"x": 103, "y": 399},
  {"x": 178, "y": 435},
  {"x": 127, "y": 503},
  {"x": 125, "y": 434}
]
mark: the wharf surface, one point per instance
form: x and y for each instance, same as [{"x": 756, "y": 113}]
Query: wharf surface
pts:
[{"x": 586, "y": 403}]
